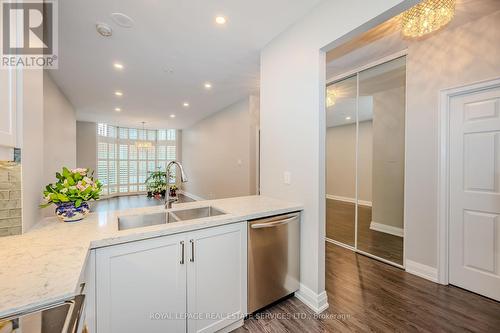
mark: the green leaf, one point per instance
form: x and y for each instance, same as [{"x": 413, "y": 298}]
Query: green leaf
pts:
[
  {"x": 62, "y": 197},
  {"x": 78, "y": 203},
  {"x": 66, "y": 172},
  {"x": 71, "y": 181}
]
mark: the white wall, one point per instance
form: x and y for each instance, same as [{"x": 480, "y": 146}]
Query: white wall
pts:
[
  {"x": 341, "y": 161},
  {"x": 293, "y": 122},
  {"x": 86, "y": 145},
  {"x": 59, "y": 133},
  {"x": 451, "y": 58},
  {"x": 32, "y": 147},
  {"x": 389, "y": 157},
  {"x": 59, "y": 128},
  {"x": 48, "y": 140},
  {"x": 218, "y": 155}
]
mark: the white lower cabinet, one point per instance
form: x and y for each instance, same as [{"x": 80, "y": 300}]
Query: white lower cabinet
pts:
[
  {"x": 217, "y": 278},
  {"x": 189, "y": 282}
]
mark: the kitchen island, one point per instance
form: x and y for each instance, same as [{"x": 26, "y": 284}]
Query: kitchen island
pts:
[{"x": 48, "y": 263}]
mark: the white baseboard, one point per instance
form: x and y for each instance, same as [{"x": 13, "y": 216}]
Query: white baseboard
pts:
[
  {"x": 317, "y": 302},
  {"x": 388, "y": 229},
  {"x": 191, "y": 195},
  {"x": 424, "y": 271},
  {"x": 350, "y": 200}
]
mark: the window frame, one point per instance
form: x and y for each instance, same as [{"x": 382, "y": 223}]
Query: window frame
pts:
[{"x": 151, "y": 158}]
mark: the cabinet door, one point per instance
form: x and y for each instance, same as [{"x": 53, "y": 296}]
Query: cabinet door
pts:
[
  {"x": 141, "y": 287},
  {"x": 217, "y": 277},
  {"x": 8, "y": 107}
]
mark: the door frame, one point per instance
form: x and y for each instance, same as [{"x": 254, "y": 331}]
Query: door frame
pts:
[{"x": 443, "y": 183}]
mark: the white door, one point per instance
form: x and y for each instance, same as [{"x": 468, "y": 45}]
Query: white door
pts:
[
  {"x": 217, "y": 277},
  {"x": 141, "y": 287},
  {"x": 474, "y": 253}
]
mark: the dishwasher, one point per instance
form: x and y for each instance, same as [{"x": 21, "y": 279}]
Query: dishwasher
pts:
[{"x": 273, "y": 259}]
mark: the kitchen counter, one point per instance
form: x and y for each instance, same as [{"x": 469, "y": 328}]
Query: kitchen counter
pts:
[{"x": 45, "y": 265}]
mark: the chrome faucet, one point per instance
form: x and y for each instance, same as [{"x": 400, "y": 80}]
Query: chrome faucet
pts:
[{"x": 169, "y": 201}]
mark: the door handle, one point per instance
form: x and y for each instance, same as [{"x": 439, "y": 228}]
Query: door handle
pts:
[
  {"x": 272, "y": 224},
  {"x": 192, "y": 250},
  {"x": 182, "y": 252}
]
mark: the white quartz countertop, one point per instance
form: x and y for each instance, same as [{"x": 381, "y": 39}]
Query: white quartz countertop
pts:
[{"x": 45, "y": 265}]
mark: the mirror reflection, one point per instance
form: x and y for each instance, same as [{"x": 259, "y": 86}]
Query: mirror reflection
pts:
[{"x": 365, "y": 157}]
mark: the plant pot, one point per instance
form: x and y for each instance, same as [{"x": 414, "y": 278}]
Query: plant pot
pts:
[{"x": 67, "y": 212}]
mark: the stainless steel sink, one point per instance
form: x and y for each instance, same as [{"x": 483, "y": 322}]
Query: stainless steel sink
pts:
[
  {"x": 197, "y": 213},
  {"x": 145, "y": 220},
  {"x": 139, "y": 221}
]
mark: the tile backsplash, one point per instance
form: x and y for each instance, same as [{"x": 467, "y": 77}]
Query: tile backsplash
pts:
[{"x": 10, "y": 198}]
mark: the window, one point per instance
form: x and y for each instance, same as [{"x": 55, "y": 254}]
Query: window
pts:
[{"x": 122, "y": 167}]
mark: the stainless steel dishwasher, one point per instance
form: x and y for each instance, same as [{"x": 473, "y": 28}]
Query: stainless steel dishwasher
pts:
[{"x": 273, "y": 259}]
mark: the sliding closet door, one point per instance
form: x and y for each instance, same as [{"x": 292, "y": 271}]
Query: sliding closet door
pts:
[
  {"x": 381, "y": 159},
  {"x": 341, "y": 161}
]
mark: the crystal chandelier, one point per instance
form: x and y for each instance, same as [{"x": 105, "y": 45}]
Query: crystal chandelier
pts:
[
  {"x": 143, "y": 143},
  {"x": 426, "y": 17}
]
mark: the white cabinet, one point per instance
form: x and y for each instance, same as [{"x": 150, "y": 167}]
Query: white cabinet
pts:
[
  {"x": 217, "y": 278},
  {"x": 8, "y": 120},
  {"x": 141, "y": 287},
  {"x": 194, "y": 281}
]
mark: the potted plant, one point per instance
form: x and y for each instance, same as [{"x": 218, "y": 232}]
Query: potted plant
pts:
[
  {"x": 173, "y": 190},
  {"x": 73, "y": 189},
  {"x": 156, "y": 184}
]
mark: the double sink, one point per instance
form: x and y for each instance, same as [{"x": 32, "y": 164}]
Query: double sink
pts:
[{"x": 139, "y": 221}]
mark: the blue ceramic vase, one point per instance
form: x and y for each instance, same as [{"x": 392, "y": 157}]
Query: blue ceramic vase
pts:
[{"x": 67, "y": 212}]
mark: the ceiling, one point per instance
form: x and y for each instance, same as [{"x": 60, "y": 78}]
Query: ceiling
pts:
[
  {"x": 385, "y": 39},
  {"x": 173, "y": 48}
]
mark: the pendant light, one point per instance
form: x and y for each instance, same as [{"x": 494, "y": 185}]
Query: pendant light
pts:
[{"x": 143, "y": 143}]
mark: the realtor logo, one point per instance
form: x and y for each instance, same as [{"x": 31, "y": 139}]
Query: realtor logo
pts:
[{"x": 29, "y": 34}]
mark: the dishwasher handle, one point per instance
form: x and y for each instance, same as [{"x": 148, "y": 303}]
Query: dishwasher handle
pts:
[{"x": 273, "y": 223}]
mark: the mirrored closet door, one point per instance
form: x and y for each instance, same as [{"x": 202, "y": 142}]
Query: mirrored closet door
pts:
[{"x": 365, "y": 158}]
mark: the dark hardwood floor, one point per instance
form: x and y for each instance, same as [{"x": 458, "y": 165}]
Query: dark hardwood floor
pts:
[
  {"x": 366, "y": 295},
  {"x": 340, "y": 227},
  {"x": 130, "y": 201}
]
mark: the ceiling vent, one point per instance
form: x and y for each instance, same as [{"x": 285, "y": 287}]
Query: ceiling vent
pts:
[
  {"x": 104, "y": 29},
  {"x": 122, "y": 20}
]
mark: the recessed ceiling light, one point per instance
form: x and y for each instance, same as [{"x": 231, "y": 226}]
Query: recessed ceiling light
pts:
[
  {"x": 185, "y": 104},
  {"x": 220, "y": 20},
  {"x": 118, "y": 93},
  {"x": 172, "y": 116},
  {"x": 117, "y": 65},
  {"x": 208, "y": 85},
  {"x": 347, "y": 118},
  {"x": 118, "y": 109}
]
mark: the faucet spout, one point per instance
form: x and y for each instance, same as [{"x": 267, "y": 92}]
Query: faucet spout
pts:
[{"x": 169, "y": 201}]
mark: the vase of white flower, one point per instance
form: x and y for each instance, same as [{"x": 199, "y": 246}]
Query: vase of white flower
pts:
[
  {"x": 71, "y": 193},
  {"x": 68, "y": 212}
]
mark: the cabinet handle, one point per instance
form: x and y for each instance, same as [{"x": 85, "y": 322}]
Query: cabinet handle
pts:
[
  {"x": 182, "y": 252},
  {"x": 192, "y": 250}
]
